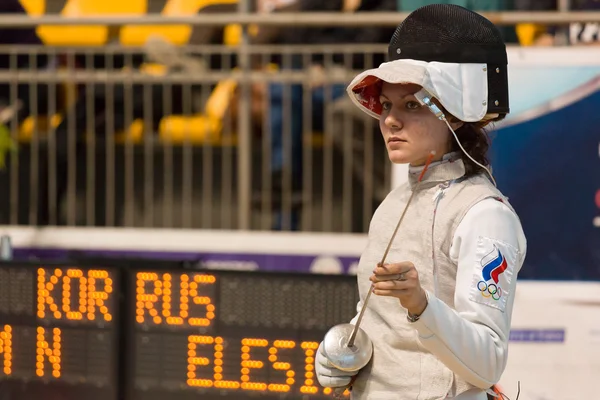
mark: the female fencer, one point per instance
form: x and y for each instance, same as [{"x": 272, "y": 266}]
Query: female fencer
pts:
[{"x": 439, "y": 314}]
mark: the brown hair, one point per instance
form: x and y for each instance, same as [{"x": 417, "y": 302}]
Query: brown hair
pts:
[{"x": 475, "y": 139}]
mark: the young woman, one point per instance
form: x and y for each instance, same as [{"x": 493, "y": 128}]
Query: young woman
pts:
[{"x": 440, "y": 312}]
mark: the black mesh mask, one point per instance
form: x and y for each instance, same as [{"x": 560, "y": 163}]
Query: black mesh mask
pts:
[{"x": 453, "y": 34}]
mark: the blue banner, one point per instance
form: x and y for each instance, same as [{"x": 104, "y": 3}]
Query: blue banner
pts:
[{"x": 546, "y": 160}]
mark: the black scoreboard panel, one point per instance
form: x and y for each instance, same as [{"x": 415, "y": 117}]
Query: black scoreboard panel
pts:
[
  {"x": 58, "y": 332},
  {"x": 215, "y": 335},
  {"x": 108, "y": 333}
]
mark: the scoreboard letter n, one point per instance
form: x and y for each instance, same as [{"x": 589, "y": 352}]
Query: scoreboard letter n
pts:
[{"x": 6, "y": 348}]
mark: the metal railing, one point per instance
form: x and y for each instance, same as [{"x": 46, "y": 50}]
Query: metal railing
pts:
[
  {"x": 286, "y": 19},
  {"x": 204, "y": 140},
  {"x": 120, "y": 145}
]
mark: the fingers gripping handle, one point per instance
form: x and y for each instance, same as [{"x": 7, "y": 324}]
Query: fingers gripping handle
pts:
[{"x": 338, "y": 393}]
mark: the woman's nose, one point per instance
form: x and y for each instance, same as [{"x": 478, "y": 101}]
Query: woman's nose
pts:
[{"x": 393, "y": 121}]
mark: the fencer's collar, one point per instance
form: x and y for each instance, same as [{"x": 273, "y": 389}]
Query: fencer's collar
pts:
[{"x": 450, "y": 167}]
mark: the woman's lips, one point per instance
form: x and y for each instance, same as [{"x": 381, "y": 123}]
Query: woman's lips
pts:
[{"x": 395, "y": 139}]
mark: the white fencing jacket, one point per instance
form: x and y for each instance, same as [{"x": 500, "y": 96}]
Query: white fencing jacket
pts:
[{"x": 468, "y": 247}]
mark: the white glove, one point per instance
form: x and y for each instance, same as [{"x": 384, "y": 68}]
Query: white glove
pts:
[{"x": 328, "y": 375}]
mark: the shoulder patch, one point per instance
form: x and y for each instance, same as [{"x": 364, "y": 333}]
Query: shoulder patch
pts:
[{"x": 493, "y": 272}]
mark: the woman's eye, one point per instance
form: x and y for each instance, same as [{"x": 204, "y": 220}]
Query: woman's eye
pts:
[
  {"x": 412, "y": 105},
  {"x": 386, "y": 105}
]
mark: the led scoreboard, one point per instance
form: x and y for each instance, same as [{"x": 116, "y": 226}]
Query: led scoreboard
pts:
[
  {"x": 58, "y": 330},
  {"x": 237, "y": 335},
  {"x": 126, "y": 333}
]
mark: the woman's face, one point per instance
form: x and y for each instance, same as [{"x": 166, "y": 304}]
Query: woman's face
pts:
[{"x": 410, "y": 131}]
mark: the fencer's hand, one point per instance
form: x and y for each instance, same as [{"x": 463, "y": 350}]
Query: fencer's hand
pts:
[
  {"x": 400, "y": 280},
  {"x": 328, "y": 375}
]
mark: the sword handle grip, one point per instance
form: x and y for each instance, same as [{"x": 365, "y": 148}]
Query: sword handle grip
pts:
[{"x": 339, "y": 392}]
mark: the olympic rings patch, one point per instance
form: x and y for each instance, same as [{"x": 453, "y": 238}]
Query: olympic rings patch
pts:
[{"x": 490, "y": 290}]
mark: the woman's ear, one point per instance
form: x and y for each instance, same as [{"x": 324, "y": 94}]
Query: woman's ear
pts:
[{"x": 455, "y": 123}]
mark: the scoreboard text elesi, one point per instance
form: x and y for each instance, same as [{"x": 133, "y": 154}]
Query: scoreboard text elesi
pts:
[{"x": 188, "y": 301}]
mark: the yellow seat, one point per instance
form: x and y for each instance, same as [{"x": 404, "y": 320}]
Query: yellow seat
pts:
[
  {"x": 41, "y": 124},
  {"x": 94, "y": 35},
  {"x": 232, "y": 34},
  {"x": 133, "y": 134},
  {"x": 197, "y": 129},
  {"x": 207, "y": 126},
  {"x": 34, "y": 7},
  {"x": 527, "y": 33},
  {"x": 133, "y": 35},
  {"x": 200, "y": 128}
]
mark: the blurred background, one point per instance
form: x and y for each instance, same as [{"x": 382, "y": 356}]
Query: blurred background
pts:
[{"x": 217, "y": 135}]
